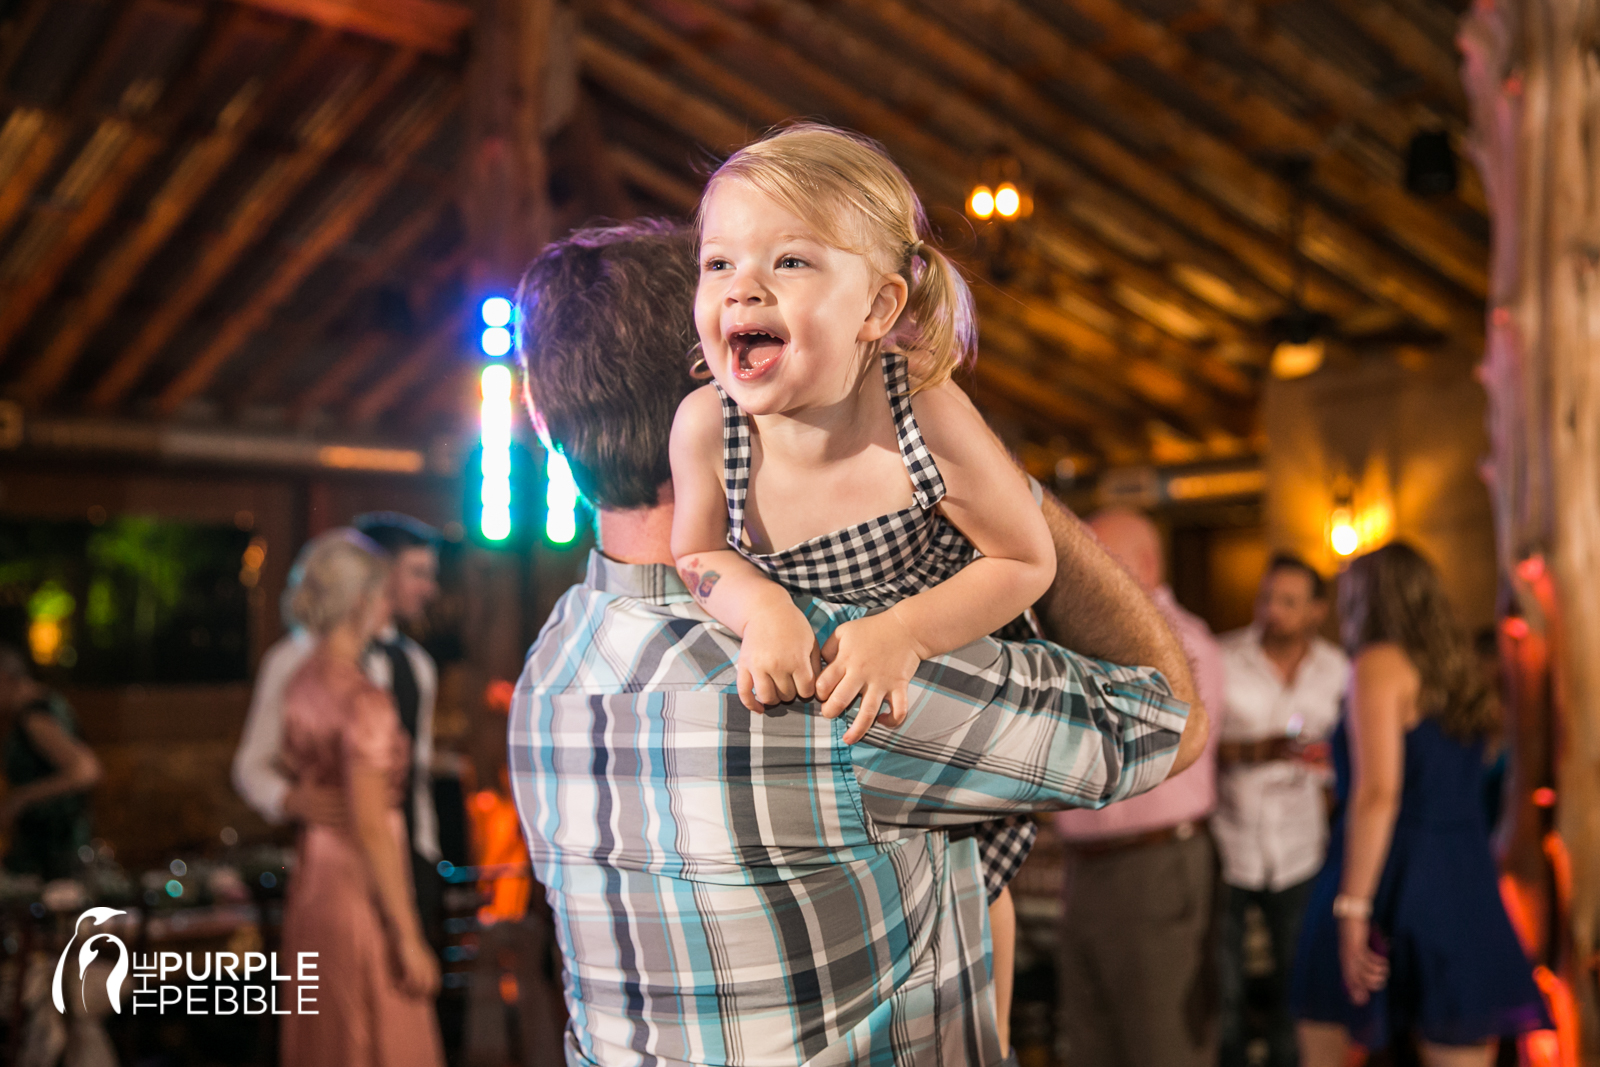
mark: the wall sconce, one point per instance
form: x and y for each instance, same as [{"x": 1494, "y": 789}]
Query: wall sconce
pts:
[
  {"x": 1352, "y": 530},
  {"x": 1000, "y": 194}
]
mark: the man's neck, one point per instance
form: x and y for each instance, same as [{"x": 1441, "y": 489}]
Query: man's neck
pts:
[
  {"x": 1286, "y": 652},
  {"x": 638, "y": 535}
]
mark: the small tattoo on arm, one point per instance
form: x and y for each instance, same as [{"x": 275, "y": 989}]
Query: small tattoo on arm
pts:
[{"x": 700, "y": 584}]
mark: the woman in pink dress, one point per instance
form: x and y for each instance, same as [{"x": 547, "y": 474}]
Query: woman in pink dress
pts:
[{"x": 350, "y": 897}]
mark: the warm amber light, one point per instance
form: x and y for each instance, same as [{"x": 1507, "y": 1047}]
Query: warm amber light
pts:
[
  {"x": 1291, "y": 361},
  {"x": 981, "y": 203},
  {"x": 1007, "y": 201},
  {"x": 1343, "y": 538}
]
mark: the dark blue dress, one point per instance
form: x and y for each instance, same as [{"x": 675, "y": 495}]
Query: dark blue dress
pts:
[{"x": 1457, "y": 975}]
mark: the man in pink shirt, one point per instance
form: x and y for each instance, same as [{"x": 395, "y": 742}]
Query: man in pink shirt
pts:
[{"x": 1135, "y": 966}]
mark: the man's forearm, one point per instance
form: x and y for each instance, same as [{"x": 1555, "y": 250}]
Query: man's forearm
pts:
[{"x": 1095, "y": 608}]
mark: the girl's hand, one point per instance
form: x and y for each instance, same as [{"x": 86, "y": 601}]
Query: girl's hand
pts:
[
  {"x": 1365, "y": 971},
  {"x": 874, "y": 658},
  {"x": 779, "y": 659}
]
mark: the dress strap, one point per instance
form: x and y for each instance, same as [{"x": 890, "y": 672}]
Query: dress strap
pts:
[
  {"x": 927, "y": 484},
  {"x": 735, "y": 464}
]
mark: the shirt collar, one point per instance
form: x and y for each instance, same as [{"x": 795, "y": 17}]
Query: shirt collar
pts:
[{"x": 655, "y": 583}]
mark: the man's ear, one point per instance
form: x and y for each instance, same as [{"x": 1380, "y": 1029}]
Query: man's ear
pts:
[{"x": 887, "y": 305}]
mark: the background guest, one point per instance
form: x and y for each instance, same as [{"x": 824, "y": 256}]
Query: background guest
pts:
[
  {"x": 49, "y": 772},
  {"x": 350, "y": 900},
  {"x": 1405, "y": 935},
  {"x": 393, "y": 662},
  {"x": 1283, "y": 685},
  {"x": 1134, "y": 973}
]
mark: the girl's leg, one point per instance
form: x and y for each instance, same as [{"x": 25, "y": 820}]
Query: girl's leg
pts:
[
  {"x": 1003, "y": 945},
  {"x": 1458, "y": 1055},
  {"x": 1322, "y": 1044}
]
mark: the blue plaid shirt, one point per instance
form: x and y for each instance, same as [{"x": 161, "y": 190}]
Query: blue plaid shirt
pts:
[{"x": 731, "y": 888}]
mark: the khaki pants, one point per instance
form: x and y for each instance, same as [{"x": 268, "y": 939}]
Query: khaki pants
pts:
[{"x": 1135, "y": 967}]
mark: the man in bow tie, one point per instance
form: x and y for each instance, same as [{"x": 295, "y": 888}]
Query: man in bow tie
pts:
[{"x": 395, "y": 662}]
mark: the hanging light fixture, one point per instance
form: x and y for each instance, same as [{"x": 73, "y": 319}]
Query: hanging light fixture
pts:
[{"x": 1000, "y": 193}]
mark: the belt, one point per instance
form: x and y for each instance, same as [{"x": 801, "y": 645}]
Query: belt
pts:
[
  {"x": 1183, "y": 831},
  {"x": 1264, "y": 750}
]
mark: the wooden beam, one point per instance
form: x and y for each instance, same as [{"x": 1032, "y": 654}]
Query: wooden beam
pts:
[
  {"x": 366, "y": 190},
  {"x": 288, "y": 350},
  {"x": 261, "y": 205},
  {"x": 29, "y": 142},
  {"x": 1340, "y": 249},
  {"x": 335, "y": 381},
  {"x": 444, "y": 341},
  {"x": 420, "y": 25},
  {"x": 1417, "y": 51},
  {"x": 667, "y": 188},
  {"x": 70, "y": 218},
  {"x": 73, "y": 226},
  {"x": 193, "y": 175},
  {"x": 1262, "y": 125}
]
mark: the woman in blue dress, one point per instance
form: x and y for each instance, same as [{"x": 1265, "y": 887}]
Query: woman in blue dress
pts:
[{"x": 1405, "y": 937}]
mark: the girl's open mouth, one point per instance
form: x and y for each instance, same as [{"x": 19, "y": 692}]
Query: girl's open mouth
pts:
[{"x": 754, "y": 352}]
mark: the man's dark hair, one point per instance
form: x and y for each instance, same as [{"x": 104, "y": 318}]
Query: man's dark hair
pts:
[
  {"x": 1288, "y": 561},
  {"x": 394, "y": 532},
  {"x": 605, "y": 321}
]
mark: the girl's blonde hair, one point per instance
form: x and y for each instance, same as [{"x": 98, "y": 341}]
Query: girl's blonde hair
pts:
[
  {"x": 337, "y": 573},
  {"x": 847, "y": 189}
]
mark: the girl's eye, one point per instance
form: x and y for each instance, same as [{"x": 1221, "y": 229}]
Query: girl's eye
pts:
[
  {"x": 791, "y": 263},
  {"x": 716, "y": 264}
]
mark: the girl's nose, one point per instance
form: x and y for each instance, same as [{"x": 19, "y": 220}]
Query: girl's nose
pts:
[{"x": 746, "y": 290}]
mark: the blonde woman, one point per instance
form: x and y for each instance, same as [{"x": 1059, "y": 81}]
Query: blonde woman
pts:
[{"x": 350, "y": 900}]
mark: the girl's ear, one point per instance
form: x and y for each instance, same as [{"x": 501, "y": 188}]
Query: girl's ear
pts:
[{"x": 887, "y": 305}]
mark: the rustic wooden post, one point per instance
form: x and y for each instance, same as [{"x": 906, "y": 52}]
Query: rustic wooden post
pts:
[
  {"x": 1533, "y": 82},
  {"x": 506, "y": 206}
]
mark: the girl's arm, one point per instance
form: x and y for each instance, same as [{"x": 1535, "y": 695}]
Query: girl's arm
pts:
[
  {"x": 987, "y": 498},
  {"x": 1383, "y": 691},
  {"x": 778, "y": 656}
]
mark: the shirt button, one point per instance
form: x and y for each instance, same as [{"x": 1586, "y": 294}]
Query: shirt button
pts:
[{"x": 1105, "y": 687}]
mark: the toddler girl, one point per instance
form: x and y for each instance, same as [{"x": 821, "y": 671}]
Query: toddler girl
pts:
[{"x": 833, "y": 456}]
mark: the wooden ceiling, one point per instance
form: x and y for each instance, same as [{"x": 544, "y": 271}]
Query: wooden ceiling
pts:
[{"x": 247, "y": 213}]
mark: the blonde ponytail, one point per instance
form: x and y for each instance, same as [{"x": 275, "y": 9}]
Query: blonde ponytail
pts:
[
  {"x": 833, "y": 179},
  {"x": 942, "y": 328}
]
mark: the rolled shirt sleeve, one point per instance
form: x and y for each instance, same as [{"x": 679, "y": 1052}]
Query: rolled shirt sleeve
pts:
[{"x": 1000, "y": 727}]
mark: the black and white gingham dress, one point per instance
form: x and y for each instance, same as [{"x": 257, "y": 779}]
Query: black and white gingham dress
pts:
[{"x": 876, "y": 564}]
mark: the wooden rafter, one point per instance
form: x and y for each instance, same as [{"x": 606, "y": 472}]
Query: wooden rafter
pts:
[
  {"x": 658, "y": 183},
  {"x": 72, "y": 222},
  {"x": 1262, "y": 125},
  {"x": 333, "y": 382},
  {"x": 444, "y": 340},
  {"x": 1339, "y": 248},
  {"x": 194, "y": 174},
  {"x": 262, "y": 204},
  {"x": 422, "y": 25},
  {"x": 334, "y": 229},
  {"x": 1413, "y": 47},
  {"x": 291, "y": 348}
]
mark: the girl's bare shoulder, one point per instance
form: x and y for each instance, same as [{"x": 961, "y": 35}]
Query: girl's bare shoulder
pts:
[
  {"x": 698, "y": 423},
  {"x": 950, "y": 423}
]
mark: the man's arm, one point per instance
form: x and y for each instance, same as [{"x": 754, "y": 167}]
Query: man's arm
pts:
[
  {"x": 255, "y": 772},
  {"x": 1095, "y": 608}
]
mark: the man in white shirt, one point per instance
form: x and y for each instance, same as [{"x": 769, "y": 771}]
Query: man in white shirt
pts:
[
  {"x": 396, "y": 663},
  {"x": 1283, "y": 685}
]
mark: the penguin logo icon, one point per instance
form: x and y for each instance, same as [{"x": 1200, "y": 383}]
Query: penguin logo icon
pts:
[{"x": 88, "y": 954}]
